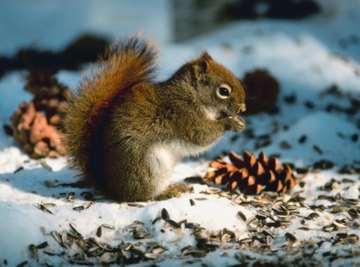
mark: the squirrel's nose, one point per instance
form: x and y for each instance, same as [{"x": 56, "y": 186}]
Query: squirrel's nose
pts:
[{"x": 242, "y": 107}]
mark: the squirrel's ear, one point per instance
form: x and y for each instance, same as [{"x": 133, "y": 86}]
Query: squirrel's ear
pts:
[
  {"x": 205, "y": 56},
  {"x": 201, "y": 65},
  {"x": 200, "y": 69}
]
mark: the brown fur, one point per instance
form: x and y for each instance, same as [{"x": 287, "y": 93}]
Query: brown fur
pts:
[
  {"x": 122, "y": 129},
  {"x": 123, "y": 67}
]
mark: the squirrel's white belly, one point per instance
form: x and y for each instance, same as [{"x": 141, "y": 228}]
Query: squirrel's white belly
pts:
[{"x": 162, "y": 159}]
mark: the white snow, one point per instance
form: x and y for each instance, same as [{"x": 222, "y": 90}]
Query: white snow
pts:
[
  {"x": 306, "y": 57},
  {"x": 322, "y": 130}
]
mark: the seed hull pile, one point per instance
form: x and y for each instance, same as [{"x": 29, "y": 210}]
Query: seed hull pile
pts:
[{"x": 317, "y": 230}]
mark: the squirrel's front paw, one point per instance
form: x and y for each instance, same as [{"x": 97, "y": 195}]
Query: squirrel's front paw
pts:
[{"x": 234, "y": 124}]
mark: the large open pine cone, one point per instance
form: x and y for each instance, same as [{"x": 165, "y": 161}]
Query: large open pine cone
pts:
[
  {"x": 36, "y": 124},
  {"x": 252, "y": 175}
]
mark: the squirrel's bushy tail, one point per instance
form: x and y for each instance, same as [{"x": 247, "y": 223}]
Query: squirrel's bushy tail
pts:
[{"x": 124, "y": 65}]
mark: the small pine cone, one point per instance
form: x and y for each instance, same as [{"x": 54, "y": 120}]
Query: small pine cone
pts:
[
  {"x": 252, "y": 175},
  {"x": 262, "y": 91},
  {"x": 34, "y": 133},
  {"x": 50, "y": 96},
  {"x": 36, "y": 124},
  {"x": 42, "y": 84}
]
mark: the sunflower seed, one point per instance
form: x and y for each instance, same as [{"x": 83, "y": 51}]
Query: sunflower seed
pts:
[
  {"x": 51, "y": 253},
  {"x": 134, "y": 204},
  {"x": 242, "y": 216},
  {"x": 165, "y": 214},
  {"x": 247, "y": 240},
  {"x": 58, "y": 238},
  {"x": 173, "y": 224},
  {"x": 33, "y": 251},
  {"x": 22, "y": 264},
  {"x": 194, "y": 180},
  {"x": 138, "y": 230},
  {"x": 302, "y": 139},
  {"x": 83, "y": 207},
  {"x": 346, "y": 180},
  {"x": 339, "y": 224},
  {"x": 99, "y": 231},
  {"x": 43, "y": 208},
  {"x": 151, "y": 256},
  {"x": 323, "y": 164},
  {"x": 351, "y": 201},
  {"x": 157, "y": 249},
  {"x": 336, "y": 209},
  {"x": 284, "y": 145},
  {"x": 290, "y": 237},
  {"x": 329, "y": 228},
  {"x": 192, "y": 225},
  {"x": 45, "y": 165},
  {"x": 19, "y": 169},
  {"x": 108, "y": 226},
  {"x": 312, "y": 215},
  {"x": 79, "y": 208},
  {"x": 74, "y": 231},
  {"x": 42, "y": 245},
  {"x": 354, "y": 213},
  {"x": 317, "y": 149}
]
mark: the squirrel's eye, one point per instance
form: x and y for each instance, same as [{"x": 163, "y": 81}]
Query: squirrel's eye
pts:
[{"x": 223, "y": 91}]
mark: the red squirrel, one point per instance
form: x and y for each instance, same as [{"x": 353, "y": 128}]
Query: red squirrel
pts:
[{"x": 125, "y": 132}]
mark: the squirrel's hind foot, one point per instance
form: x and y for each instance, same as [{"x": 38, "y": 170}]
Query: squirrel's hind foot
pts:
[{"x": 174, "y": 190}]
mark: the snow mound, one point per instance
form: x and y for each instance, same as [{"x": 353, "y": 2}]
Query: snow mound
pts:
[{"x": 326, "y": 137}]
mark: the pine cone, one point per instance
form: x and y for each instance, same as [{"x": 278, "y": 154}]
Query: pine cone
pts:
[
  {"x": 50, "y": 96},
  {"x": 36, "y": 124},
  {"x": 262, "y": 91},
  {"x": 252, "y": 175}
]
